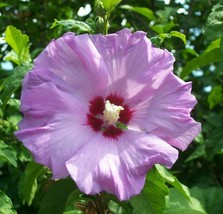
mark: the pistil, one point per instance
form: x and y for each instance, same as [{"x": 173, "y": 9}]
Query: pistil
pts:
[{"x": 111, "y": 112}]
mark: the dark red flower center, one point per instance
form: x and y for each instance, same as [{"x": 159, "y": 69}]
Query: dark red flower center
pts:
[{"x": 97, "y": 121}]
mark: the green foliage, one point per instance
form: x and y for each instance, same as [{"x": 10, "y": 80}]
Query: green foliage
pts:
[
  {"x": 214, "y": 143},
  {"x": 172, "y": 180},
  {"x": 20, "y": 46},
  {"x": 6, "y": 204},
  {"x": 215, "y": 97},
  {"x": 6, "y": 154},
  {"x": 28, "y": 182},
  {"x": 13, "y": 83},
  {"x": 56, "y": 196},
  {"x": 152, "y": 198},
  {"x": 176, "y": 203},
  {"x": 144, "y": 11},
  {"x": 110, "y": 5},
  {"x": 71, "y": 24},
  {"x": 203, "y": 201},
  {"x": 214, "y": 25},
  {"x": 192, "y": 32},
  {"x": 158, "y": 40},
  {"x": 212, "y": 54}
]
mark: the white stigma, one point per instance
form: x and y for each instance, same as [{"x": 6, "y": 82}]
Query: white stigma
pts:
[{"x": 111, "y": 112}]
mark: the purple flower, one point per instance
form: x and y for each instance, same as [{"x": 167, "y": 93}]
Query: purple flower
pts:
[{"x": 104, "y": 110}]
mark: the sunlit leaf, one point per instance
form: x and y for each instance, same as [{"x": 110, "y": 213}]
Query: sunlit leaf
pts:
[
  {"x": 213, "y": 45},
  {"x": 6, "y": 154},
  {"x": 20, "y": 45},
  {"x": 28, "y": 182},
  {"x": 110, "y": 5},
  {"x": 152, "y": 198},
  {"x": 158, "y": 40},
  {"x": 4, "y": 5},
  {"x": 6, "y": 206},
  {"x": 73, "y": 24},
  {"x": 144, "y": 11},
  {"x": 172, "y": 180},
  {"x": 178, "y": 35}
]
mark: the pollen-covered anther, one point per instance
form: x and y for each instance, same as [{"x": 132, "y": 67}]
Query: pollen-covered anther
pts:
[{"x": 111, "y": 112}]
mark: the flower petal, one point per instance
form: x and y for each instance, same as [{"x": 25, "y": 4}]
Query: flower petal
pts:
[
  {"x": 167, "y": 113},
  {"x": 73, "y": 60},
  {"x": 129, "y": 72},
  {"x": 119, "y": 167},
  {"x": 53, "y": 127}
]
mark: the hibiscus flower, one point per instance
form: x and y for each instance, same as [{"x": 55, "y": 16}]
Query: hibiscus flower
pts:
[{"x": 104, "y": 109}]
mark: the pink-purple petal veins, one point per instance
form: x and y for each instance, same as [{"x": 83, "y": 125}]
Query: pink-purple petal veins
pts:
[
  {"x": 51, "y": 126},
  {"x": 167, "y": 113},
  {"x": 74, "y": 61},
  {"x": 130, "y": 71},
  {"x": 119, "y": 167},
  {"x": 63, "y": 99}
]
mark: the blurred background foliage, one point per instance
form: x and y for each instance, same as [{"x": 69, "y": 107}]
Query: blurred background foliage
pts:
[{"x": 200, "y": 60}]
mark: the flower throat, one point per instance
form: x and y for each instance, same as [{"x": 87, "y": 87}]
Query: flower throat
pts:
[{"x": 109, "y": 116}]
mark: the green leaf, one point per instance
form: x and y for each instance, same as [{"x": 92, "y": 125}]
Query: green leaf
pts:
[
  {"x": 28, "y": 182},
  {"x": 6, "y": 206},
  {"x": 211, "y": 198},
  {"x": 12, "y": 56},
  {"x": 124, "y": 205},
  {"x": 214, "y": 26},
  {"x": 178, "y": 35},
  {"x": 55, "y": 198},
  {"x": 73, "y": 24},
  {"x": 176, "y": 203},
  {"x": 214, "y": 143},
  {"x": 6, "y": 154},
  {"x": 115, "y": 208},
  {"x": 70, "y": 207},
  {"x": 110, "y": 5},
  {"x": 4, "y": 5},
  {"x": 213, "y": 45},
  {"x": 146, "y": 12},
  {"x": 172, "y": 180},
  {"x": 158, "y": 40},
  {"x": 197, "y": 153},
  {"x": 152, "y": 198},
  {"x": 205, "y": 58},
  {"x": 13, "y": 82},
  {"x": 163, "y": 28},
  {"x": 19, "y": 43},
  {"x": 215, "y": 97}
]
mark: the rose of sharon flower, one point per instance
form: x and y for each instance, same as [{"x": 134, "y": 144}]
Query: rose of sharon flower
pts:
[{"x": 104, "y": 109}]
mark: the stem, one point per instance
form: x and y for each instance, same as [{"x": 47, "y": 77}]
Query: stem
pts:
[
  {"x": 101, "y": 208},
  {"x": 106, "y": 24}
]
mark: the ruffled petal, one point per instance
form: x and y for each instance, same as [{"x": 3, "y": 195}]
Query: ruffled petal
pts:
[
  {"x": 53, "y": 127},
  {"x": 167, "y": 113},
  {"x": 118, "y": 167},
  {"x": 129, "y": 72},
  {"x": 140, "y": 151},
  {"x": 74, "y": 61}
]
